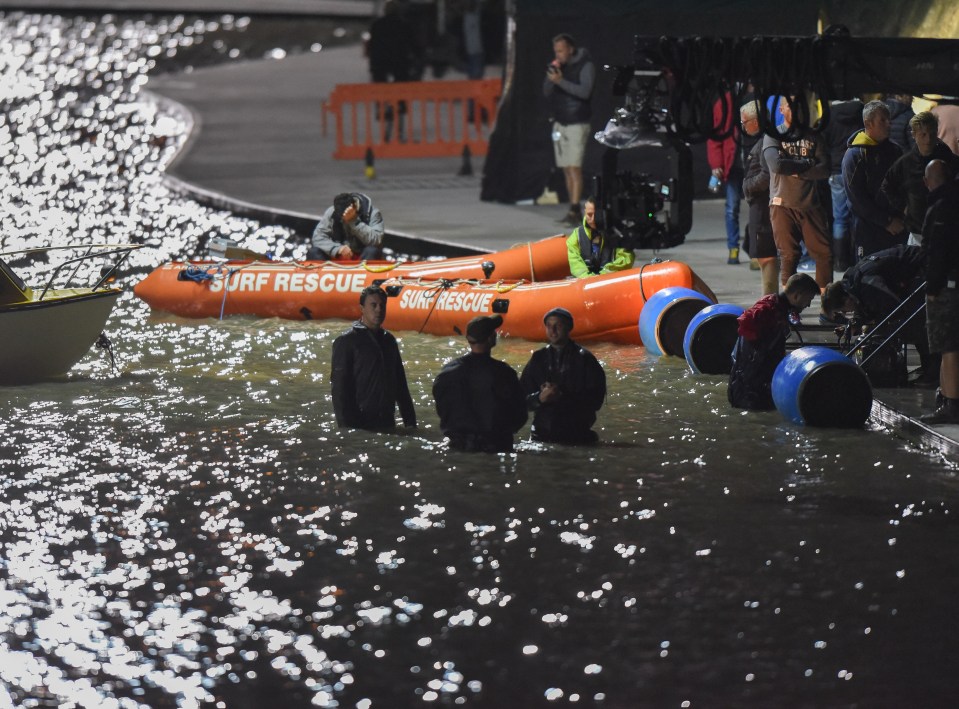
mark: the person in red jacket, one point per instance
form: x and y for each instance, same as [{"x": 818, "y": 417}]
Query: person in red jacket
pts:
[
  {"x": 726, "y": 164},
  {"x": 761, "y": 344}
]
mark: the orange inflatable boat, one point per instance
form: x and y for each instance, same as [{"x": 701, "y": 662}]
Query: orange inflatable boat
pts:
[{"x": 605, "y": 307}]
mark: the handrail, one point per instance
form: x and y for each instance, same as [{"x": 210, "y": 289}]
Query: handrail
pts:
[
  {"x": 858, "y": 344},
  {"x": 123, "y": 250},
  {"x": 413, "y": 119}
]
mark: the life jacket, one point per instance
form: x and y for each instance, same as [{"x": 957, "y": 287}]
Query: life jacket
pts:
[{"x": 594, "y": 260}]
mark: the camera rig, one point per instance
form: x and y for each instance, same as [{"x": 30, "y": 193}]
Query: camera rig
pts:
[
  {"x": 670, "y": 91},
  {"x": 632, "y": 207}
]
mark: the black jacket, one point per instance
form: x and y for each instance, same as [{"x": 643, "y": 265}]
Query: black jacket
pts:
[
  {"x": 756, "y": 191},
  {"x": 881, "y": 281},
  {"x": 583, "y": 383},
  {"x": 480, "y": 403},
  {"x": 368, "y": 380},
  {"x": 904, "y": 187},
  {"x": 864, "y": 166},
  {"x": 939, "y": 240}
]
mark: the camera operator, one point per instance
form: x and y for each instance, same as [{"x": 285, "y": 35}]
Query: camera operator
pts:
[{"x": 592, "y": 252}]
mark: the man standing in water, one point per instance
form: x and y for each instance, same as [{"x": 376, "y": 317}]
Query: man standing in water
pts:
[
  {"x": 478, "y": 398},
  {"x": 565, "y": 386},
  {"x": 368, "y": 378}
]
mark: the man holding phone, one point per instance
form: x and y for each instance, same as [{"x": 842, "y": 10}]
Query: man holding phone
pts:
[{"x": 568, "y": 87}]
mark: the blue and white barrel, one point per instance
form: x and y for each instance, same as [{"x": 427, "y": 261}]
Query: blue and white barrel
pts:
[
  {"x": 818, "y": 386},
  {"x": 665, "y": 316},
  {"x": 710, "y": 338}
]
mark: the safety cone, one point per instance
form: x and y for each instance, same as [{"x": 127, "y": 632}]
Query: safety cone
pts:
[
  {"x": 466, "y": 168},
  {"x": 370, "y": 169}
]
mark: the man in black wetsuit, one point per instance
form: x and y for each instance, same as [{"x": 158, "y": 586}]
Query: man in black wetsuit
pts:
[
  {"x": 874, "y": 287},
  {"x": 368, "y": 378},
  {"x": 565, "y": 386},
  {"x": 478, "y": 398}
]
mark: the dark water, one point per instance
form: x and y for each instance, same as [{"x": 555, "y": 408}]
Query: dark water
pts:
[{"x": 192, "y": 530}]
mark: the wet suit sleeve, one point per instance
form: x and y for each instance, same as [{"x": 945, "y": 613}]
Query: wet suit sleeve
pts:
[
  {"x": 595, "y": 393},
  {"x": 533, "y": 377},
  {"x": 403, "y": 399},
  {"x": 516, "y": 405},
  {"x": 344, "y": 388}
]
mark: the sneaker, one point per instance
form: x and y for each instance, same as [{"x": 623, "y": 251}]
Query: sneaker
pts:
[
  {"x": 733, "y": 256},
  {"x": 574, "y": 217},
  {"x": 754, "y": 264},
  {"x": 806, "y": 266}
]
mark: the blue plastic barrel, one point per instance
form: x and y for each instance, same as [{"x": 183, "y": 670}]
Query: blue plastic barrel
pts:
[
  {"x": 818, "y": 386},
  {"x": 710, "y": 338},
  {"x": 665, "y": 316}
]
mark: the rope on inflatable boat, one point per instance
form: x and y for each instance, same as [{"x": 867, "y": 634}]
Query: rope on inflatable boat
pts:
[
  {"x": 200, "y": 274},
  {"x": 441, "y": 285},
  {"x": 507, "y": 288},
  {"x": 381, "y": 269},
  {"x": 529, "y": 250}
]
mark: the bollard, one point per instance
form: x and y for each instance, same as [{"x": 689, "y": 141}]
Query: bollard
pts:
[
  {"x": 370, "y": 169},
  {"x": 665, "y": 317},
  {"x": 817, "y": 386},
  {"x": 710, "y": 338},
  {"x": 466, "y": 169}
]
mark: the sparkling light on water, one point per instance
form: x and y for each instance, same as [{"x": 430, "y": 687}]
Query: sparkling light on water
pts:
[{"x": 192, "y": 530}]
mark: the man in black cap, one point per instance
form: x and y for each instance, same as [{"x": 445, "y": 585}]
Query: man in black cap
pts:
[
  {"x": 478, "y": 398},
  {"x": 564, "y": 384}
]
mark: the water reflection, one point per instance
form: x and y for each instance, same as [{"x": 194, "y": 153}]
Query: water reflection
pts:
[{"x": 192, "y": 529}]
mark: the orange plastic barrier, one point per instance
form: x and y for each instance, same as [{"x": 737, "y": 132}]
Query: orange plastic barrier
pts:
[{"x": 429, "y": 118}]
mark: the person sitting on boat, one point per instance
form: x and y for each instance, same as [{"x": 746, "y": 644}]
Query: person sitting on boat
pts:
[
  {"x": 565, "y": 386},
  {"x": 479, "y": 400},
  {"x": 349, "y": 230},
  {"x": 368, "y": 379},
  {"x": 591, "y": 252},
  {"x": 874, "y": 287},
  {"x": 761, "y": 344}
]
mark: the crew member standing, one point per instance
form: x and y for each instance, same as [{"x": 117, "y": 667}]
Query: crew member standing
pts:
[
  {"x": 797, "y": 209},
  {"x": 569, "y": 86},
  {"x": 565, "y": 386},
  {"x": 942, "y": 286},
  {"x": 479, "y": 400},
  {"x": 368, "y": 377}
]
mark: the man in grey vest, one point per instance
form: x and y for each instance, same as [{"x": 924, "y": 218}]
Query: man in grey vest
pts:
[{"x": 568, "y": 87}]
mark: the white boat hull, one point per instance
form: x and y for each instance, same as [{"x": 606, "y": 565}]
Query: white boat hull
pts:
[{"x": 45, "y": 338}]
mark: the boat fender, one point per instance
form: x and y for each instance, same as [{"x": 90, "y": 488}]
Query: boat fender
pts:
[
  {"x": 710, "y": 338},
  {"x": 818, "y": 386},
  {"x": 665, "y": 317},
  {"x": 103, "y": 343}
]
